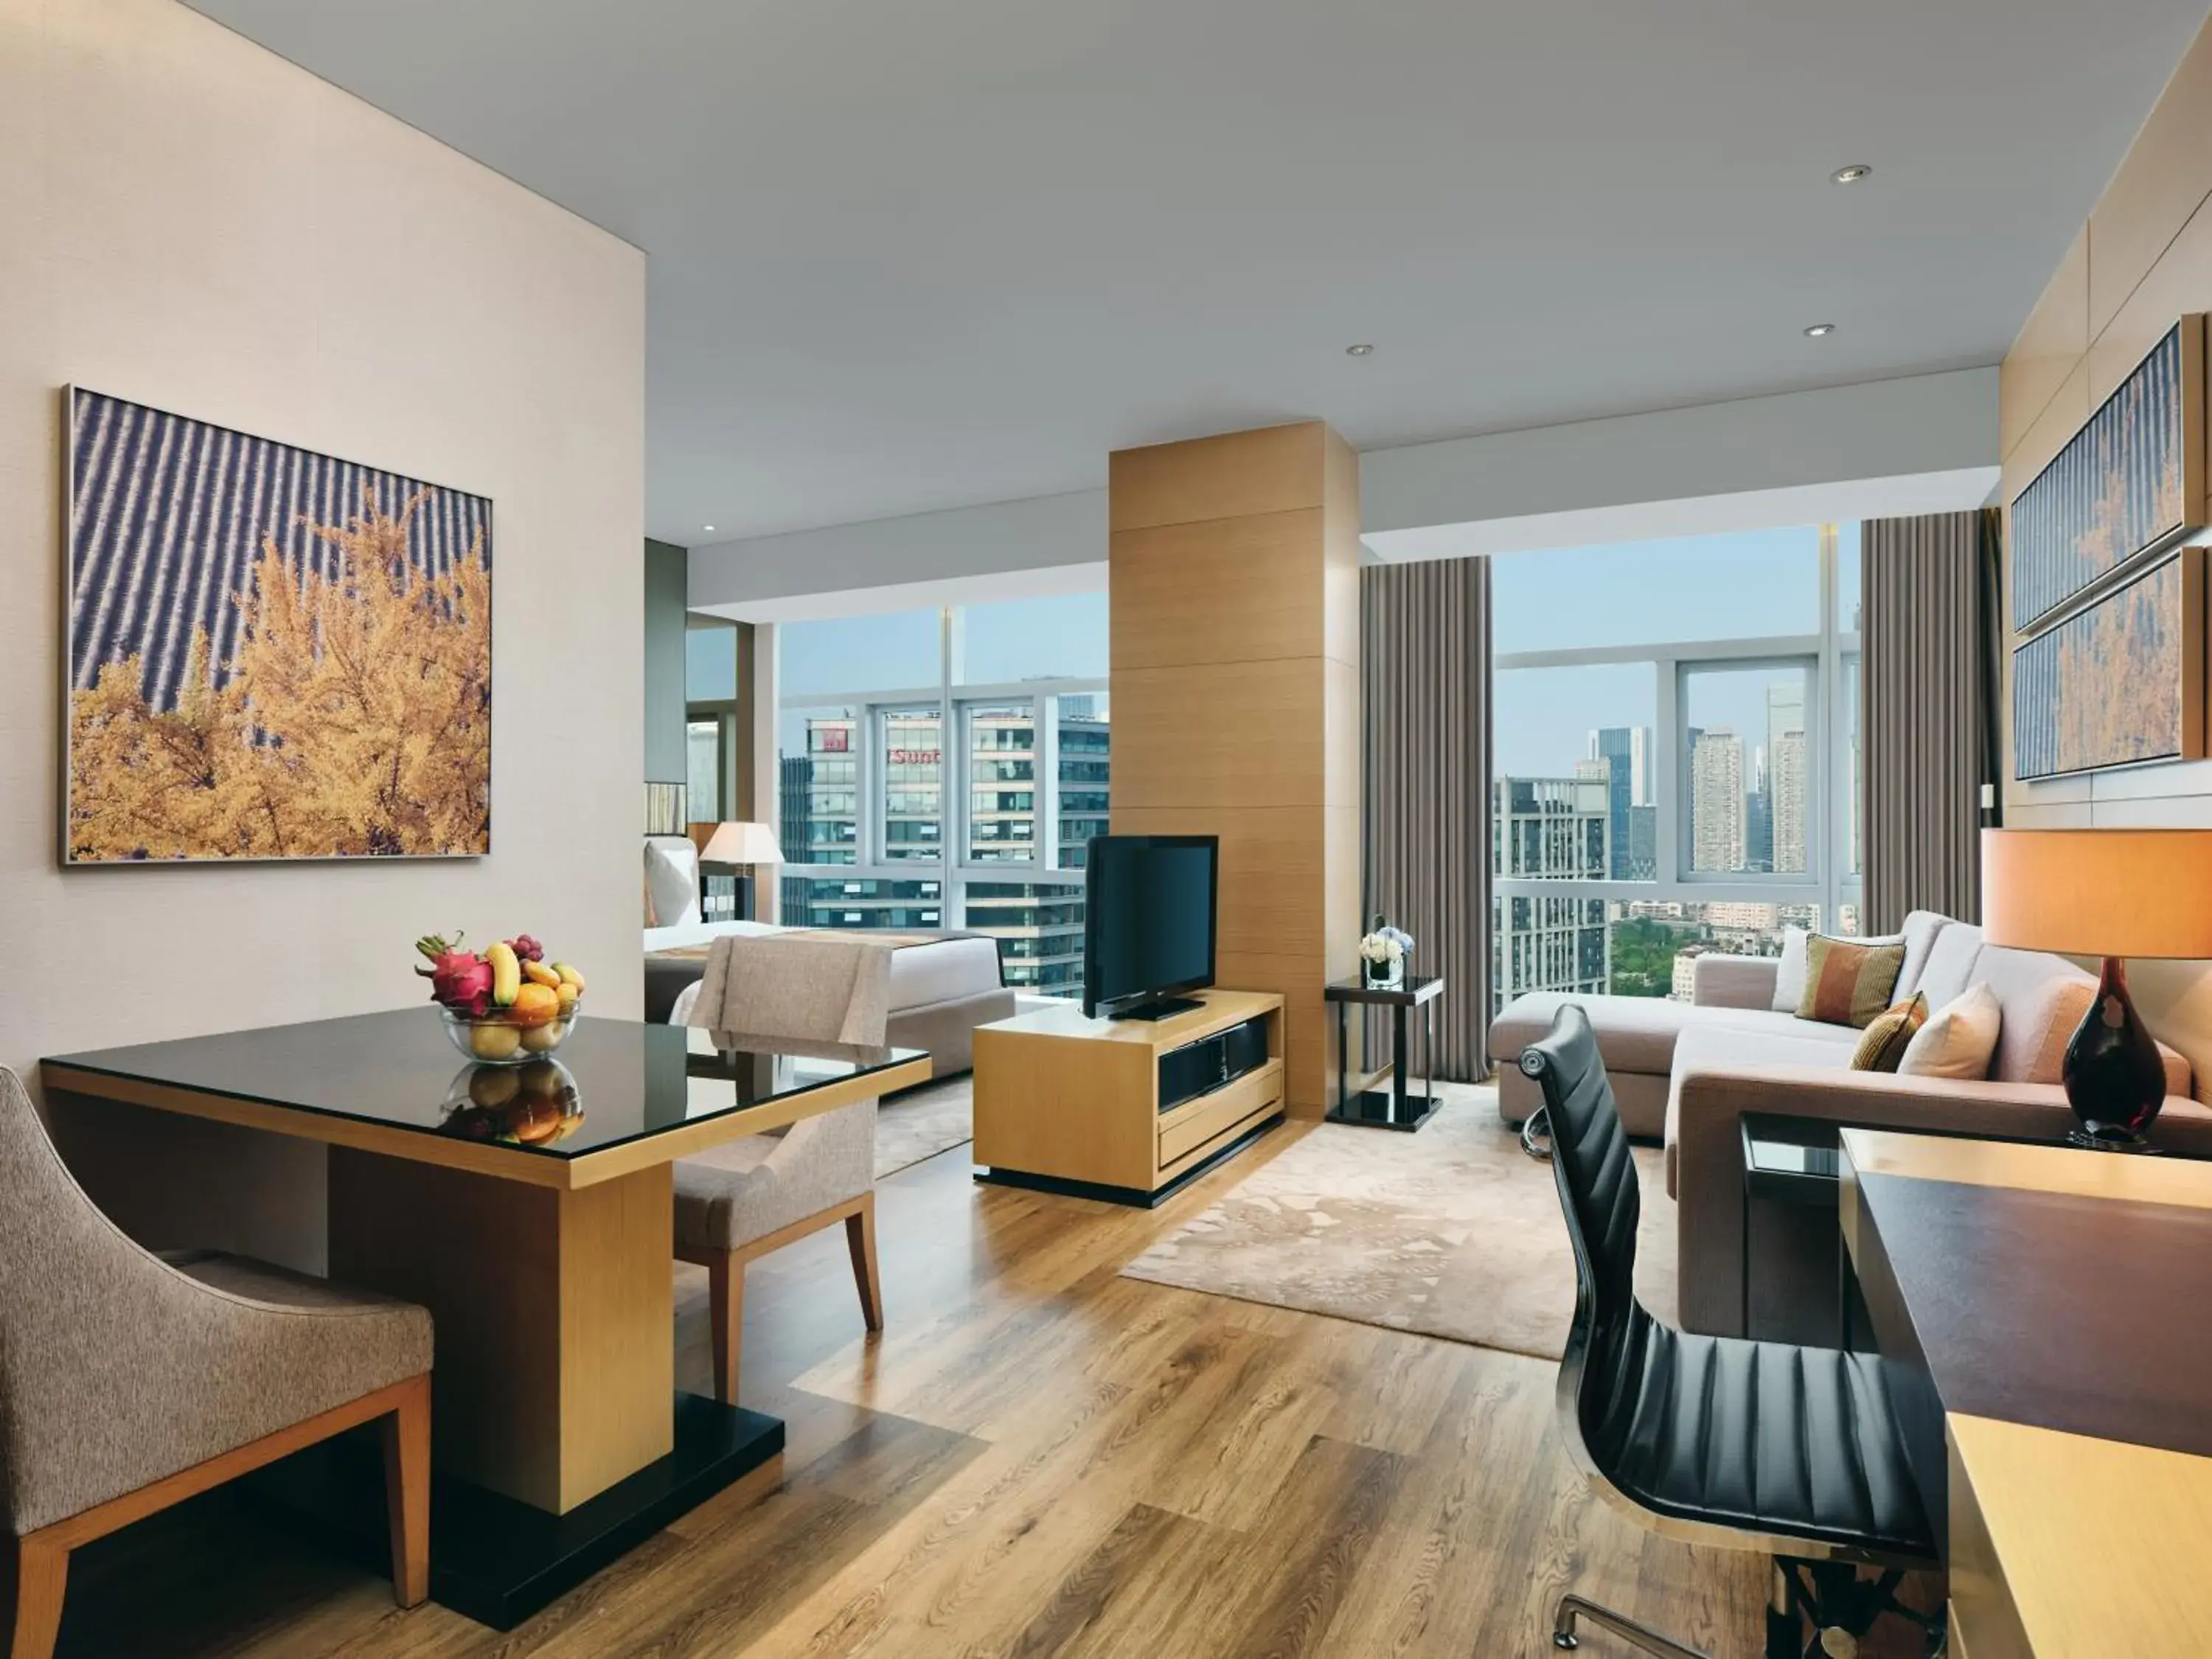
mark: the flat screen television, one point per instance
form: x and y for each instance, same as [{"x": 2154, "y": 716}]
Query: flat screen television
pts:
[{"x": 1148, "y": 923}]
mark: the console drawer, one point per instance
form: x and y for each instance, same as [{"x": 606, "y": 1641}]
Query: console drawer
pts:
[{"x": 1195, "y": 1122}]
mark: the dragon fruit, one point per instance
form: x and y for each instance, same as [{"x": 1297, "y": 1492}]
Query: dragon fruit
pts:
[{"x": 461, "y": 980}]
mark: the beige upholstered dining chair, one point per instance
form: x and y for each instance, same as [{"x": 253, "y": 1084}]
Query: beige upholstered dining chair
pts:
[
  {"x": 748, "y": 1197},
  {"x": 130, "y": 1382}
]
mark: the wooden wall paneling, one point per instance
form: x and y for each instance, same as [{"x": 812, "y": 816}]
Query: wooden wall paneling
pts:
[
  {"x": 1277, "y": 469},
  {"x": 1173, "y": 583},
  {"x": 2177, "y": 285},
  {"x": 1342, "y": 782},
  {"x": 2167, "y": 175},
  {"x": 1341, "y": 549},
  {"x": 2066, "y": 413},
  {"x": 1235, "y": 689},
  {"x": 2052, "y": 341},
  {"x": 1229, "y": 735}
]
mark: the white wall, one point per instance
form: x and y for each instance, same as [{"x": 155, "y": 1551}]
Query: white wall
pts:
[
  {"x": 1921, "y": 443},
  {"x": 188, "y": 220}
]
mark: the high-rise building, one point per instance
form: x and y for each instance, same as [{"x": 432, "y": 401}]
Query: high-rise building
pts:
[
  {"x": 1788, "y": 794},
  {"x": 1759, "y": 828},
  {"x": 1643, "y": 843},
  {"x": 1557, "y": 830},
  {"x": 1084, "y": 746},
  {"x": 1036, "y": 916},
  {"x": 1785, "y": 712},
  {"x": 1627, "y": 751},
  {"x": 1716, "y": 800}
]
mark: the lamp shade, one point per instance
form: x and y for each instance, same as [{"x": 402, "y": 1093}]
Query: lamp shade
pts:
[
  {"x": 2098, "y": 892},
  {"x": 741, "y": 843}
]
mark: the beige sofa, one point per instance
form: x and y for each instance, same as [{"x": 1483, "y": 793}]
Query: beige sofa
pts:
[{"x": 1689, "y": 1072}]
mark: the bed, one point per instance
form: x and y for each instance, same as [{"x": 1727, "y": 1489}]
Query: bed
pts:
[{"x": 944, "y": 984}]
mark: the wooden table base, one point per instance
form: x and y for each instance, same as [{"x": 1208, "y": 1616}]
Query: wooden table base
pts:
[{"x": 555, "y": 1348}]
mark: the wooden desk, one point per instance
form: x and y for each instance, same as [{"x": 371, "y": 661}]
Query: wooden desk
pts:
[
  {"x": 1070, "y": 1104},
  {"x": 2040, "y": 1311},
  {"x": 547, "y": 1267}
]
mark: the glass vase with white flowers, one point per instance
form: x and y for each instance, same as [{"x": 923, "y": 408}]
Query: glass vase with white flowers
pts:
[{"x": 1383, "y": 956}]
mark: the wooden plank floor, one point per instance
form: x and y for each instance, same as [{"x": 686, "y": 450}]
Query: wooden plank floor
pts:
[{"x": 1038, "y": 1457}]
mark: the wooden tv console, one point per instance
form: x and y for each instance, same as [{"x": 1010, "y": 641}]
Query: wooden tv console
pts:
[{"x": 1069, "y": 1105}]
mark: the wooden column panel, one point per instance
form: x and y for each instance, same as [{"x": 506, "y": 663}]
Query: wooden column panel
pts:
[{"x": 1235, "y": 597}]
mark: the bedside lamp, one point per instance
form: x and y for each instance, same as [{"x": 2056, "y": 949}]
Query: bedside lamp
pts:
[
  {"x": 2114, "y": 893},
  {"x": 735, "y": 844}
]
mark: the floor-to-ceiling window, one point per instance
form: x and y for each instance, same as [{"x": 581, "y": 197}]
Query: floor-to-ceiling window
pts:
[
  {"x": 1676, "y": 742},
  {"x": 947, "y": 768}
]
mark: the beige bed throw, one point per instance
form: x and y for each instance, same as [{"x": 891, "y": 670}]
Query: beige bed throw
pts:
[{"x": 823, "y": 988}]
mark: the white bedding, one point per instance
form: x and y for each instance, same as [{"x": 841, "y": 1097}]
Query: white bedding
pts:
[{"x": 920, "y": 974}]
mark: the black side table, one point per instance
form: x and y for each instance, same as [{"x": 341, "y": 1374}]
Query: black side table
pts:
[
  {"x": 1393, "y": 1108},
  {"x": 1792, "y": 1184}
]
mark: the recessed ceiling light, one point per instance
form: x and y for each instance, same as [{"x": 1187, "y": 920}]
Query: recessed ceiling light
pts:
[
  {"x": 1820, "y": 330},
  {"x": 1359, "y": 351},
  {"x": 707, "y": 527},
  {"x": 1852, "y": 175}
]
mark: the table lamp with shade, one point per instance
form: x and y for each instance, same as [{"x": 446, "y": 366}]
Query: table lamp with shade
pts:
[
  {"x": 735, "y": 845},
  {"x": 2114, "y": 893}
]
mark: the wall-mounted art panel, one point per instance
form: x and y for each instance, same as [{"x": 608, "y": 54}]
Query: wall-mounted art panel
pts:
[
  {"x": 270, "y": 653},
  {"x": 2121, "y": 684},
  {"x": 2131, "y": 480}
]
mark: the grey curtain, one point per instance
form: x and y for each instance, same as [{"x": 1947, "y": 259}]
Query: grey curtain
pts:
[
  {"x": 1930, "y": 697},
  {"x": 1425, "y": 657}
]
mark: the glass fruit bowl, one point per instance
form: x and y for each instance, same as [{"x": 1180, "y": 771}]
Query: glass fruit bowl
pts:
[{"x": 509, "y": 1037}]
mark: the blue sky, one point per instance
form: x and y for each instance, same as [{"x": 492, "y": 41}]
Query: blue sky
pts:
[
  {"x": 1021, "y": 640},
  {"x": 1687, "y": 588}
]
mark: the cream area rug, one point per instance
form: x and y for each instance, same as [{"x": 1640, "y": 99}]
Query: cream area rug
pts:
[
  {"x": 923, "y": 1122},
  {"x": 1451, "y": 1232}
]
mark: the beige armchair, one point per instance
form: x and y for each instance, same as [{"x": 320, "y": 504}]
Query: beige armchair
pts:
[
  {"x": 745, "y": 1199},
  {"x": 130, "y": 1382}
]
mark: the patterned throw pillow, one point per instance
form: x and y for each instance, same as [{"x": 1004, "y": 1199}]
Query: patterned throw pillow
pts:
[
  {"x": 1884, "y": 1043},
  {"x": 1848, "y": 981}
]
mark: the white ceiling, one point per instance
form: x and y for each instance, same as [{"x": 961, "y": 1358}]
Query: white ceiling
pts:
[{"x": 906, "y": 257}]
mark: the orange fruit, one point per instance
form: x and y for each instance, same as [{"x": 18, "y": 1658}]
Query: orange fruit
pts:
[{"x": 534, "y": 1005}]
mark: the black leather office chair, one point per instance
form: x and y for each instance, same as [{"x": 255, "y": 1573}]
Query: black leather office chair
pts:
[{"x": 1717, "y": 1440}]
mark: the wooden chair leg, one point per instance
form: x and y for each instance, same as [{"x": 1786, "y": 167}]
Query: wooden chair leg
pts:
[
  {"x": 407, "y": 1492},
  {"x": 32, "y": 1583},
  {"x": 860, "y": 1237},
  {"x": 725, "y": 1318}
]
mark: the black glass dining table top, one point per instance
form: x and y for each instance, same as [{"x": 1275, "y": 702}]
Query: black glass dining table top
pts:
[{"x": 612, "y": 1082}]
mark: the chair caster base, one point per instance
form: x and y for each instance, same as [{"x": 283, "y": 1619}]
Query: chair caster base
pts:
[{"x": 1572, "y": 1608}]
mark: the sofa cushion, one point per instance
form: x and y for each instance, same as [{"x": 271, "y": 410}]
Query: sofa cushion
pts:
[
  {"x": 1848, "y": 981},
  {"x": 1634, "y": 1034},
  {"x": 1781, "y": 1040},
  {"x": 1882, "y": 1044},
  {"x": 2043, "y": 999},
  {"x": 1960, "y": 1038},
  {"x": 1790, "y": 977},
  {"x": 1950, "y": 968},
  {"x": 1919, "y": 934}
]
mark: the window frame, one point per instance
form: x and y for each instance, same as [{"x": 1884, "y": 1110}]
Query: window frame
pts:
[
  {"x": 1826, "y": 881},
  {"x": 954, "y": 867}
]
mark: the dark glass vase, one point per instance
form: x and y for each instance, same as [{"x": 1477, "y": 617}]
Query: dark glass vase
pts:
[{"x": 2115, "y": 1080}]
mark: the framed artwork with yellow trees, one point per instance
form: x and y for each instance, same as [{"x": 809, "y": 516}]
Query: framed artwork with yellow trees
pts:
[{"x": 270, "y": 653}]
